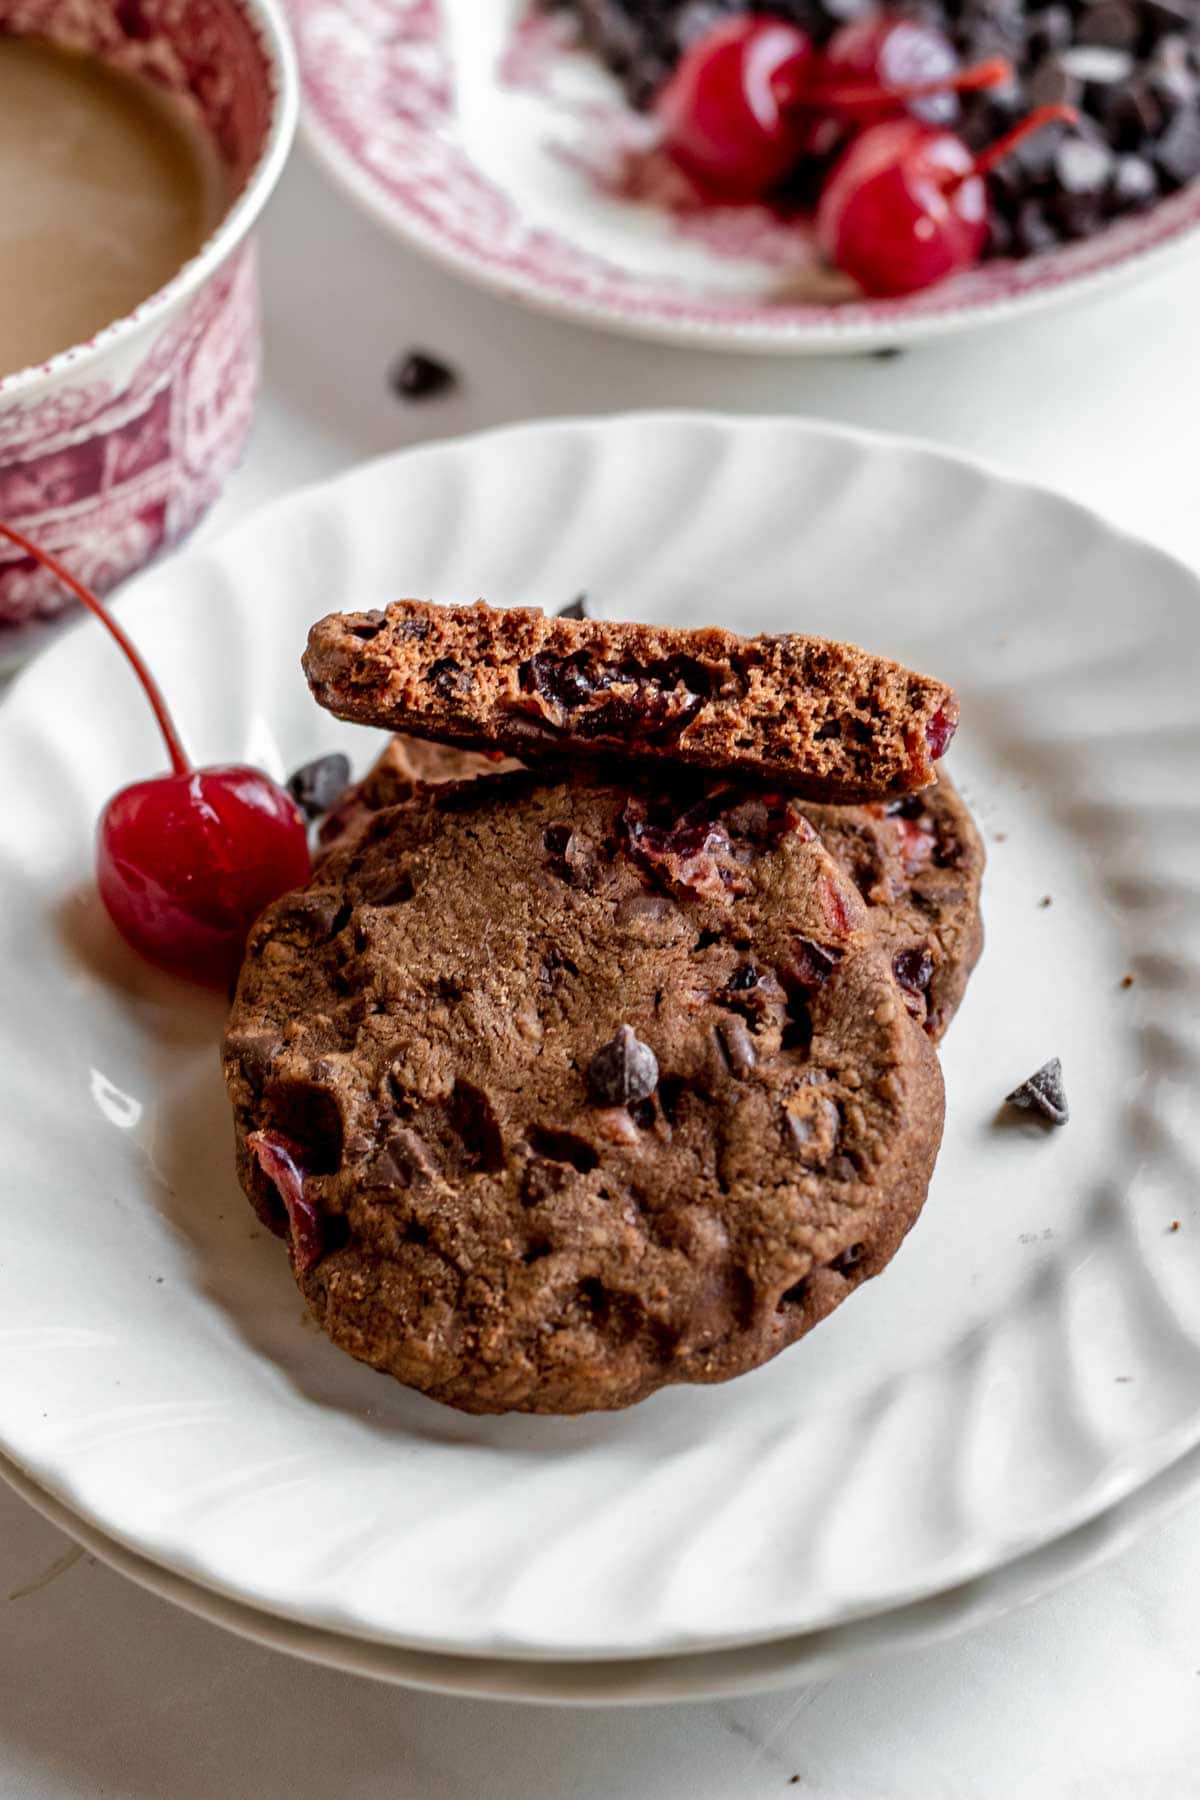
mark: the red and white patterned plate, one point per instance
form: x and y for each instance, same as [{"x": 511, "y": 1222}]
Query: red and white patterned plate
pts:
[{"x": 473, "y": 129}]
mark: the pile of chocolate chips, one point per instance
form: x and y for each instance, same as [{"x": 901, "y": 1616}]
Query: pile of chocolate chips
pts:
[{"x": 1132, "y": 67}]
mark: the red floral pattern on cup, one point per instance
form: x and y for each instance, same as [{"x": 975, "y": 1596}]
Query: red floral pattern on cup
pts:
[
  {"x": 107, "y": 489},
  {"x": 109, "y": 464}
]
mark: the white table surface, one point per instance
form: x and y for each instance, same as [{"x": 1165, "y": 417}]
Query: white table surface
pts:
[{"x": 1089, "y": 1693}]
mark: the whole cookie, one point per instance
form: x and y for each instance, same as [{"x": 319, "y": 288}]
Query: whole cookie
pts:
[
  {"x": 562, "y": 1091},
  {"x": 917, "y": 862}
]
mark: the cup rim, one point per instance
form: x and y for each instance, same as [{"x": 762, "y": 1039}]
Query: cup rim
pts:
[{"x": 225, "y": 237}]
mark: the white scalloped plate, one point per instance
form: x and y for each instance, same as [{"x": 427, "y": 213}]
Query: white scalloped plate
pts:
[
  {"x": 1033, "y": 1355},
  {"x": 477, "y": 134}
]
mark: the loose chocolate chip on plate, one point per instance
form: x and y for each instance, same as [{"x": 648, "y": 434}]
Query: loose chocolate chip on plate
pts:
[
  {"x": 318, "y": 785},
  {"x": 622, "y": 1071},
  {"x": 1043, "y": 1093},
  {"x": 419, "y": 376},
  {"x": 576, "y": 609}
]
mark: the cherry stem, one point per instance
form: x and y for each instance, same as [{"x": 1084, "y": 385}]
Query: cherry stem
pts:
[
  {"x": 993, "y": 73},
  {"x": 179, "y": 762},
  {"x": 996, "y": 153}
]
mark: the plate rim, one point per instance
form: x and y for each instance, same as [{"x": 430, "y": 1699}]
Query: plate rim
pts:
[
  {"x": 648, "y": 1680},
  {"x": 763, "y": 336},
  {"x": 1127, "y": 1482}
]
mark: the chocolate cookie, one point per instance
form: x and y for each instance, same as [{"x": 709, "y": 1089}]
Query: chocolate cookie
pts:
[
  {"x": 565, "y": 1091},
  {"x": 823, "y": 719},
  {"x": 917, "y": 862}
]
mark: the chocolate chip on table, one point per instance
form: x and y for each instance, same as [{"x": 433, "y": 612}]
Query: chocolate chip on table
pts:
[
  {"x": 318, "y": 785},
  {"x": 575, "y": 609},
  {"x": 622, "y": 1071},
  {"x": 1043, "y": 1093},
  {"x": 419, "y": 376}
]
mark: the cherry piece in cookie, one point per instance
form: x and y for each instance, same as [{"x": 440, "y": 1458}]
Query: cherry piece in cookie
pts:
[
  {"x": 185, "y": 862},
  {"x": 907, "y": 205}
]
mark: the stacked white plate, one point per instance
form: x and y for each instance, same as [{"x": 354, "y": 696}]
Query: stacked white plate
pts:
[{"x": 1020, "y": 1388}]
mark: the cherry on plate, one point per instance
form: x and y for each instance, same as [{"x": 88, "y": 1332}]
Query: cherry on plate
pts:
[
  {"x": 729, "y": 113},
  {"x": 185, "y": 862}
]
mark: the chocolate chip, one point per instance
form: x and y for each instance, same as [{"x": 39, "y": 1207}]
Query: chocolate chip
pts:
[
  {"x": 1134, "y": 183},
  {"x": 622, "y": 1070},
  {"x": 1033, "y": 229},
  {"x": 813, "y": 1123},
  {"x": 316, "y": 913},
  {"x": 1132, "y": 113},
  {"x": 448, "y": 677},
  {"x": 575, "y": 609},
  {"x": 369, "y": 626},
  {"x": 1051, "y": 84},
  {"x": 402, "y": 1161},
  {"x": 913, "y": 968},
  {"x": 1043, "y": 1093},
  {"x": 419, "y": 376},
  {"x": 1163, "y": 16},
  {"x": 316, "y": 786},
  {"x": 736, "y": 1045},
  {"x": 848, "y": 1259},
  {"x": 1112, "y": 23},
  {"x": 256, "y": 1052},
  {"x": 1177, "y": 153}
]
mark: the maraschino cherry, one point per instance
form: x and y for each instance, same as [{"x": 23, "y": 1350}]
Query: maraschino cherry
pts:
[
  {"x": 728, "y": 112},
  {"x": 185, "y": 862},
  {"x": 907, "y": 204},
  {"x": 752, "y": 98},
  {"x": 880, "y": 65}
]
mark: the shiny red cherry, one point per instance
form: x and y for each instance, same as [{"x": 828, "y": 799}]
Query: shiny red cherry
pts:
[
  {"x": 909, "y": 66},
  {"x": 906, "y": 205},
  {"x": 185, "y": 862},
  {"x": 728, "y": 111}
]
